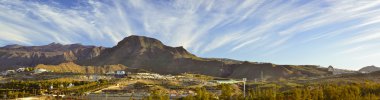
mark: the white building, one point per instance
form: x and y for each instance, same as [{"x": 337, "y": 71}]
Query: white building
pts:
[
  {"x": 339, "y": 71},
  {"x": 120, "y": 72},
  {"x": 7, "y": 72},
  {"x": 20, "y": 70},
  {"x": 226, "y": 81},
  {"x": 330, "y": 69},
  {"x": 40, "y": 70}
]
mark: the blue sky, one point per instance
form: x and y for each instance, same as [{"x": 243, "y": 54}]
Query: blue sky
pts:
[{"x": 342, "y": 33}]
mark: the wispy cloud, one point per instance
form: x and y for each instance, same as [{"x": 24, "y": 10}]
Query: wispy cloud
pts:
[
  {"x": 352, "y": 50},
  {"x": 369, "y": 36},
  {"x": 244, "y": 44},
  {"x": 204, "y": 27},
  {"x": 369, "y": 56}
]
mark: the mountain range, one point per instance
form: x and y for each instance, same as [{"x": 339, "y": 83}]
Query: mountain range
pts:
[{"x": 149, "y": 54}]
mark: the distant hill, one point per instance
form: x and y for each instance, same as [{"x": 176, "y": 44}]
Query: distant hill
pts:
[
  {"x": 348, "y": 77},
  {"x": 226, "y": 60},
  {"x": 152, "y": 55},
  {"x": 54, "y": 53},
  {"x": 74, "y": 68},
  {"x": 71, "y": 67},
  {"x": 369, "y": 69}
]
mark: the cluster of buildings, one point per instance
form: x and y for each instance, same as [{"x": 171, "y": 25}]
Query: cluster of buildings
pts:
[
  {"x": 153, "y": 76},
  {"x": 226, "y": 81},
  {"x": 21, "y": 70},
  {"x": 139, "y": 91},
  {"x": 136, "y": 95},
  {"x": 118, "y": 72},
  {"x": 335, "y": 71},
  {"x": 8, "y": 72},
  {"x": 11, "y": 72}
]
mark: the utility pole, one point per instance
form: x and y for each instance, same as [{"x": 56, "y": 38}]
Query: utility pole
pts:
[
  {"x": 244, "y": 80},
  {"x": 106, "y": 96},
  {"x": 262, "y": 76}
]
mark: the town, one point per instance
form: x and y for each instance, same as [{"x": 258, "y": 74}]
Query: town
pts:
[{"x": 115, "y": 85}]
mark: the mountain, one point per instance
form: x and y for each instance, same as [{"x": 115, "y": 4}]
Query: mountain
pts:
[
  {"x": 226, "y": 60},
  {"x": 70, "y": 67},
  {"x": 134, "y": 50},
  {"x": 54, "y": 53},
  {"x": 142, "y": 52},
  {"x": 369, "y": 69}
]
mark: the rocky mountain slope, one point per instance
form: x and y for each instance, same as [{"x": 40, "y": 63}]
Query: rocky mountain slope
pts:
[
  {"x": 369, "y": 69},
  {"x": 152, "y": 55},
  {"x": 54, "y": 53},
  {"x": 71, "y": 67}
]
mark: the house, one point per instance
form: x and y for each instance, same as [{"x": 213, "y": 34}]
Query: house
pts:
[
  {"x": 120, "y": 72},
  {"x": 8, "y": 72},
  {"x": 20, "y": 69},
  {"x": 330, "y": 69}
]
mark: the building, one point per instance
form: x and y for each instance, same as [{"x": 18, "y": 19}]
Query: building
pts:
[
  {"x": 120, "y": 72},
  {"x": 335, "y": 71},
  {"x": 8, "y": 72},
  {"x": 40, "y": 70},
  {"x": 20, "y": 70},
  {"x": 330, "y": 69},
  {"x": 225, "y": 81}
]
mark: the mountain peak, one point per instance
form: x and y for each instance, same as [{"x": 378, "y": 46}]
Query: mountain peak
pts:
[
  {"x": 54, "y": 45},
  {"x": 372, "y": 66},
  {"x": 140, "y": 41}
]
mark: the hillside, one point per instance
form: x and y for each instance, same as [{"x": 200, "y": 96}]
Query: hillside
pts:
[
  {"x": 71, "y": 67},
  {"x": 142, "y": 52},
  {"x": 369, "y": 69},
  {"x": 54, "y": 53}
]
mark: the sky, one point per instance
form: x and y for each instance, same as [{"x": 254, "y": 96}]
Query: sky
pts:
[{"x": 341, "y": 33}]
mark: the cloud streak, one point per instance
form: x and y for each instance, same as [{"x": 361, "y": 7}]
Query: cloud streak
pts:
[{"x": 206, "y": 28}]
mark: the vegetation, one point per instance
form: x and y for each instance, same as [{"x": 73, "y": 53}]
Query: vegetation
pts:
[
  {"x": 198, "y": 76},
  {"x": 158, "y": 95},
  {"x": 202, "y": 94},
  {"x": 334, "y": 91},
  {"x": 17, "y": 89},
  {"x": 318, "y": 92}
]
